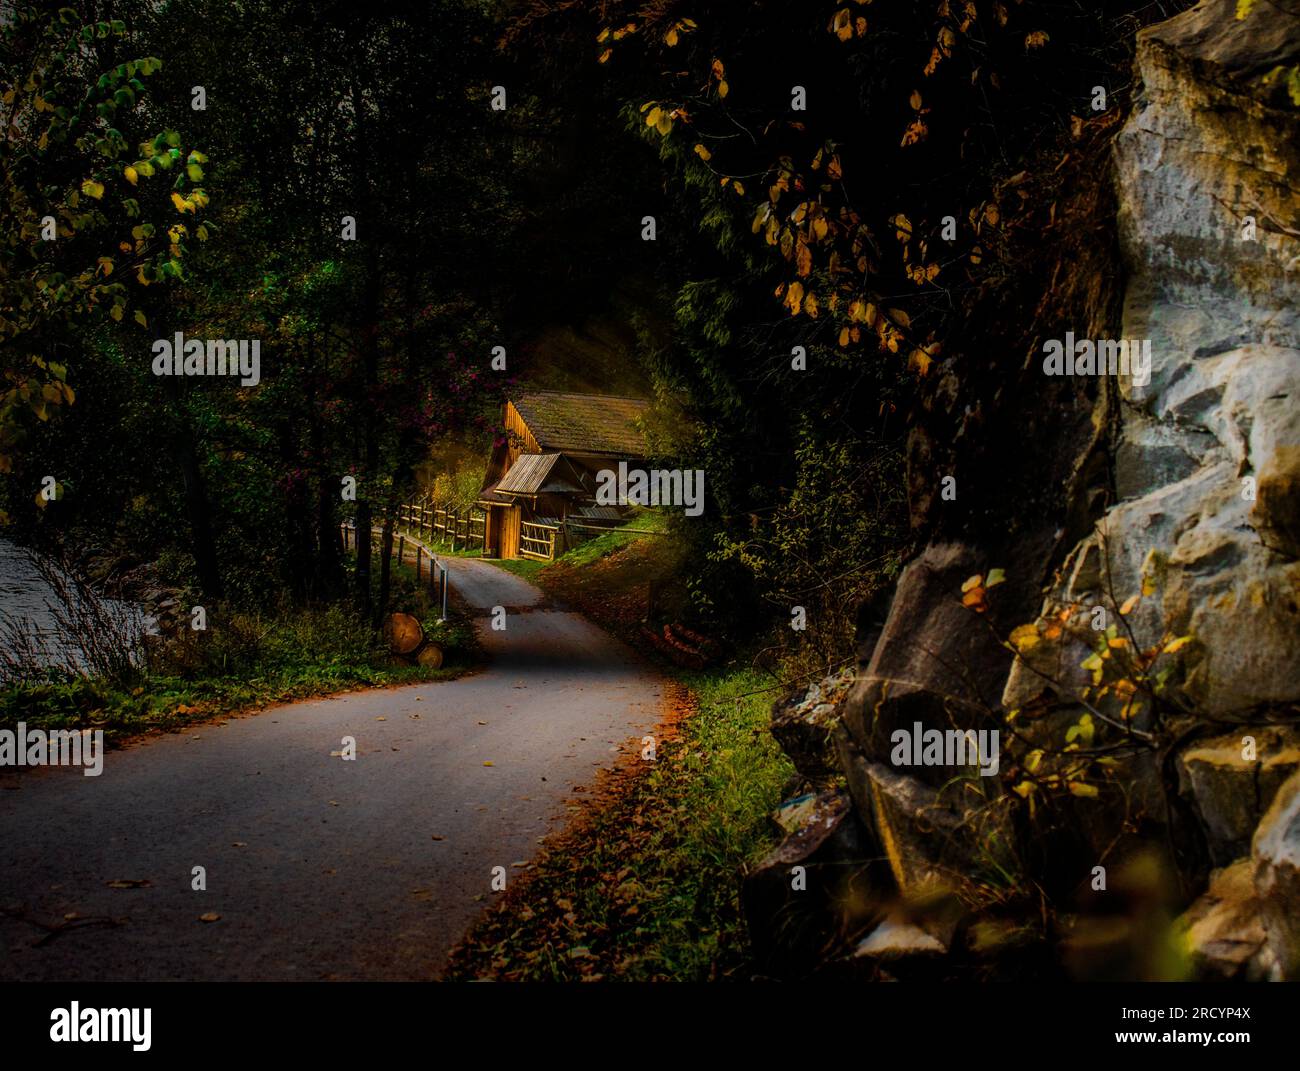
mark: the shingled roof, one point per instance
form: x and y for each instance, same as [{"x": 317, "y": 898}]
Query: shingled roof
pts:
[{"x": 584, "y": 423}]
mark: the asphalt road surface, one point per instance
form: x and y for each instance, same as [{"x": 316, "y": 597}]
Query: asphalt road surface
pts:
[{"x": 320, "y": 868}]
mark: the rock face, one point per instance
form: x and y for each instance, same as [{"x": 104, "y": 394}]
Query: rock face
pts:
[
  {"x": 1276, "y": 858},
  {"x": 1179, "y": 736}
]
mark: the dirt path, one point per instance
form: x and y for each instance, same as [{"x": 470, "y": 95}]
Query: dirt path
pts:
[{"x": 320, "y": 867}]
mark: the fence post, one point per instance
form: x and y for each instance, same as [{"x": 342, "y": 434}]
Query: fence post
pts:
[
  {"x": 445, "y": 585},
  {"x": 418, "y": 549},
  {"x": 401, "y": 550}
]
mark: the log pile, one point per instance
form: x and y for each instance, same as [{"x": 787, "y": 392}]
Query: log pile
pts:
[{"x": 407, "y": 641}]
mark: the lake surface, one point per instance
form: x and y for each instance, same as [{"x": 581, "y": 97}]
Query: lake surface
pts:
[{"x": 26, "y": 600}]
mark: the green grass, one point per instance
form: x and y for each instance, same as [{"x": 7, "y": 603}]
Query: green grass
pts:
[
  {"x": 525, "y": 567},
  {"x": 646, "y": 887}
]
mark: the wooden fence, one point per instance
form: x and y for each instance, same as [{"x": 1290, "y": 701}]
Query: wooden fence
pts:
[
  {"x": 465, "y": 527},
  {"x": 406, "y": 550},
  {"x": 537, "y": 540}
]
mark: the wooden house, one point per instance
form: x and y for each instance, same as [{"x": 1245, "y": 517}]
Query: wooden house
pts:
[{"x": 544, "y": 472}]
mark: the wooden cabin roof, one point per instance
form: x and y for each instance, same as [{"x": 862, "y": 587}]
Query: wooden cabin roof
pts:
[
  {"x": 583, "y": 423},
  {"x": 538, "y": 473}
]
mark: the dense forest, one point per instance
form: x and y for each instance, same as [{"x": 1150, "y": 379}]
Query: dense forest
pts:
[{"x": 829, "y": 244}]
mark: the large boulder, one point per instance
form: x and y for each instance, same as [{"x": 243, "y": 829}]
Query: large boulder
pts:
[{"x": 1275, "y": 856}]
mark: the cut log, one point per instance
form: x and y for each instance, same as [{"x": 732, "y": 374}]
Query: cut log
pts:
[
  {"x": 430, "y": 655},
  {"x": 403, "y": 633}
]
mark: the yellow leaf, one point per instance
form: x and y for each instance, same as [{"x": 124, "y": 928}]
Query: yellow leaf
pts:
[
  {"x": 1173, "y": 646},
  {"x": 1078, "y": 788},
  {"x": 1037, "y": 39},
  {"x": 670, "y": 38},
  {"x": 920, "y": 360},
  {"x": 106, "y": 266},
  {"x": 141, "y": 319},
  {"x": 116, "y": 312},
  {"x": 723, "y": 88},
  {"x": 739, "y": 187},
  {"x": 703, "y": 153},
  {"x": 915, "y": 100},
  {"x": 604, "y": 56},
  {"x": 1129, "y": 603},
  {"x": 844, "y": 337},
  {"x": 94, "y": 189},
  {"x": 842, "y": 24},
  {"x": 650, "y": 120},
  {"x": 1025, "y": 637},
  {"x": 803, "y": 258}
]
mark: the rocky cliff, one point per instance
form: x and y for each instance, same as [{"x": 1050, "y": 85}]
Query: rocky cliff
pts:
[{"x": 1135, "y": 644}]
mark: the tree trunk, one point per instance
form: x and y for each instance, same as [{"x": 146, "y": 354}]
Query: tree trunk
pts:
[
  {"x": 203, "y": 543},
  {"x": 385, "y": 565}
]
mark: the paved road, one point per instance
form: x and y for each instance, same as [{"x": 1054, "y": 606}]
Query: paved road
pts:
[{"x": 321, "y": 868}]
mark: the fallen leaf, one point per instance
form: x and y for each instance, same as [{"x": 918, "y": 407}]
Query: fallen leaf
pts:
[{"x": 211, "y": 916}]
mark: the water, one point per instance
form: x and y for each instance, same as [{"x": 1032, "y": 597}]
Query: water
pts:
[{"x": 25, "y": 601}]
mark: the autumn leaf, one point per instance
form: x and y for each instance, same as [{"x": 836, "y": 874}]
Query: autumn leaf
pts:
[
  {"x": 1025, "y": 637},
  {"x": 131, "y": 175},
  {"x": 1129, "y": 603},
  {"x": 94, "y": 189},
  {"x": 1037, "y": 39},
  {"x": 1174, "y": 646},
  {"x": 803, "y": 258}
]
